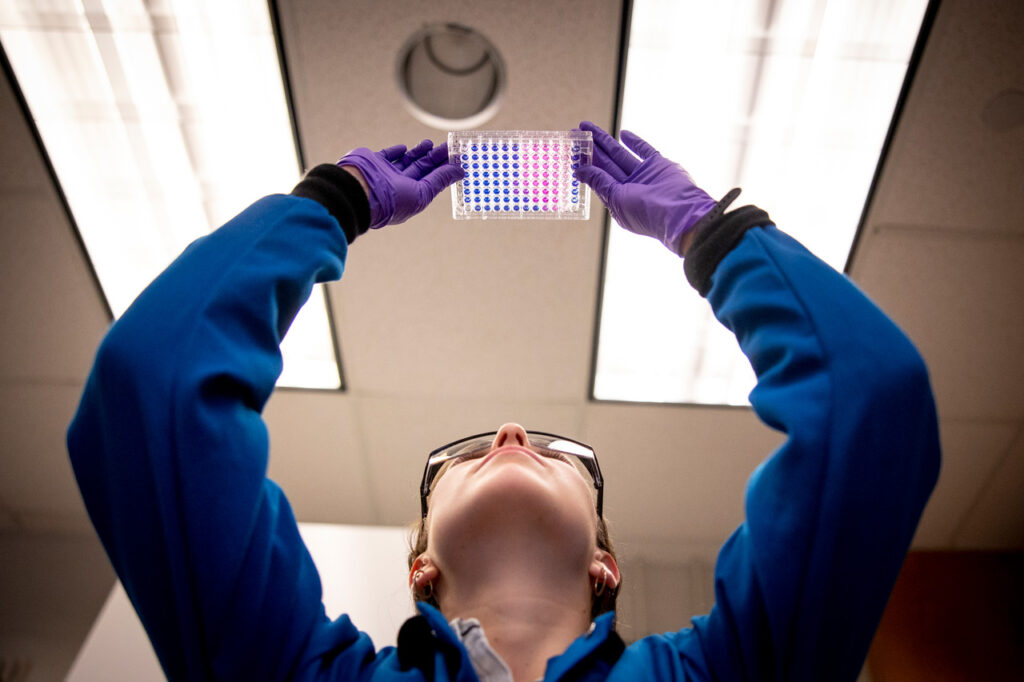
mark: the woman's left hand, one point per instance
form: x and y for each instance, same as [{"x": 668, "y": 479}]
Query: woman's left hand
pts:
[{"x": 399, "y": 182}]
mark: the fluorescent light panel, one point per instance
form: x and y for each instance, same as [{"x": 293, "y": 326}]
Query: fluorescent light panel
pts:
[
  {"x": 163, "y": 119},
  {"x": 794, "y": 109}
]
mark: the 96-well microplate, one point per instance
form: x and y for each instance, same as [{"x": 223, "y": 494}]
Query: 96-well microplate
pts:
[{"x": 520, "y": 174}]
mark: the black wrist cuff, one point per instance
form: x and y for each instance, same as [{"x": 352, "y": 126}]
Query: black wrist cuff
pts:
[
  {"x": 715, "y": 235},
  {"x": 341, "y": 194}
]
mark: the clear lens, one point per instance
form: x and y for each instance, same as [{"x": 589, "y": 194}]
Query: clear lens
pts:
[
  {"x": 470, "y": 450},
  {"x": 547, "y": 446},
  {"x": 571, "y": 447}
]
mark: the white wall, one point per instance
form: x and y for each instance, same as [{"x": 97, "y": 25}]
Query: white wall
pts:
[{"x": 363, "y": 571}]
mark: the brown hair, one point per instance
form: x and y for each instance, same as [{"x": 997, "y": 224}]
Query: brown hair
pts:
[{"x": 600, "y": 603}]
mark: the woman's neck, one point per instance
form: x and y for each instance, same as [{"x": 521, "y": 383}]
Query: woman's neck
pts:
[{"x": 530, "y": 611}]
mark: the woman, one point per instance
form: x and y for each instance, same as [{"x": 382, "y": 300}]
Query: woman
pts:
[
  {"x": 170, "y": 453},
  {"x": 526, "y": 505}
]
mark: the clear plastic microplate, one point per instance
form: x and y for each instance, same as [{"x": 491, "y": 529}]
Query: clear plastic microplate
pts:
[{"x": 521, "y": 174}]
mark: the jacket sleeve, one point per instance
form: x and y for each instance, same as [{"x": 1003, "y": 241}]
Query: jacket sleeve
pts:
[
  {"x": 170, "y": 451},
  {"x": 801, "y": 585}
]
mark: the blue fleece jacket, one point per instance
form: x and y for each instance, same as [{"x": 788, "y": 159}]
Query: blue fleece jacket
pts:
[{"x": 170, "y": 453}]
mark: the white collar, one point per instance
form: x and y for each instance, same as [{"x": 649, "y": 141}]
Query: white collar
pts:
[{"x": 486, "y": 662}]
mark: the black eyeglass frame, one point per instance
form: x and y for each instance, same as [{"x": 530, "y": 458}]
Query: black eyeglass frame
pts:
[{"x": 590, "y": 464}]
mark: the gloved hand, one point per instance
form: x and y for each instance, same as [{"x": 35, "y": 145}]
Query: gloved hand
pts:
[
  {"x": 651, "y": 195},
  {"x": 402, "y": 183}
]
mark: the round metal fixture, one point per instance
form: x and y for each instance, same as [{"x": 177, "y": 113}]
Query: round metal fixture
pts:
[{"x": 451, "y": 76}]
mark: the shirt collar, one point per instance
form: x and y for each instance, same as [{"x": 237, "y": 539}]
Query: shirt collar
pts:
[{"x": 601, "y": 631}]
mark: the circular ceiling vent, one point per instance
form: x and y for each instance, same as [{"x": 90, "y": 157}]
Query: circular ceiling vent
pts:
[{"x": 451, "y": 76}]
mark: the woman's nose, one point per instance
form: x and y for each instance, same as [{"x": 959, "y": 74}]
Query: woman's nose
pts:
[{"x": 511, "y": 434}]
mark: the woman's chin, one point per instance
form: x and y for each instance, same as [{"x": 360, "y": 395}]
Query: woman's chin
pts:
[{"x": 512, "y": 506}]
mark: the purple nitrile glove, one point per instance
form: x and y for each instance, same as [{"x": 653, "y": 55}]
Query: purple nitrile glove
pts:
[
  {"x": 402, "y": 183},
  {"x": 652, "y": 195}
]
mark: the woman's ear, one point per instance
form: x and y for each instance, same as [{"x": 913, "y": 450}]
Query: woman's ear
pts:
[
  {"x": 423, "y": 571},
  {"x": 604, "y": 569}
]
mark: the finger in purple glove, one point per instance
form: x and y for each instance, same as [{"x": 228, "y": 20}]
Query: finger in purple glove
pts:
[
  {"x": 638, "y": 145},
  {"x": 427, "y": 162},
  {"x": 394, "y": 153},
  {"x": 601, "y": 159},
  {"x": 605, "y": 163},
  {"x": 623, "y": 162},
  {"x": 442, "y": 173},
  {"x": 600, "y": 181},
  {"x": 414, "y": 154}
]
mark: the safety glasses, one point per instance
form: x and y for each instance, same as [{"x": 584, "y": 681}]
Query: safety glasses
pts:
[{"x": 551, "y": 445}]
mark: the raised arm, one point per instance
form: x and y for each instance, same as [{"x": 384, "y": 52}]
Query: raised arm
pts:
[
  {"x": 801, "y": 585},
  {"x": 168, "y": 444}
]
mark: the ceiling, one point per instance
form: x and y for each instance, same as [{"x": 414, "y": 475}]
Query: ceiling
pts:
[{"x": 448, "y": 328}]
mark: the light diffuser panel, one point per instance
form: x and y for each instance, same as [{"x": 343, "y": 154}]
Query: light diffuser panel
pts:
[
  {"x": 162, "y": 121},
  {"x": 790, "y": 100}
]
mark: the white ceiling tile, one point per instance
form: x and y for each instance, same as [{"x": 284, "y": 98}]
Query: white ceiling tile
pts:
[
  {"x": 317, "y": 458},
  {"x": 996, "y": 522},
  {"x": 971, "y": 451},
  {"x": 7, "y": 520},
  {"x": 946, "y": 167},
  {"x": 400, "y": 431},
  {"x": 50, "y": 300},
  {"x": 958, "y": 298},
  {"x": 47, "y": 521},
  {"x": 497, "y": 310},
  {"x": 561, "y": 61},
  {"x": 53, "y": 584},
  {"x": 675, "y": 477},
  {"x": 36, "y": 479},
  {"x": 453, "y": 308}
]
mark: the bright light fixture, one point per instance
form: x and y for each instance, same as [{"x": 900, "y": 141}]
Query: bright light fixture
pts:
[
  {"x": 790, "y": 100},
  {"x": 162, "y": 120}
]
